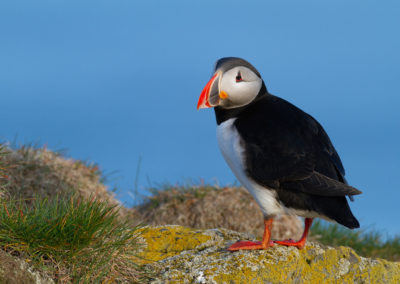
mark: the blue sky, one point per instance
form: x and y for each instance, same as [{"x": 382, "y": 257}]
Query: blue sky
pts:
[{"x": 116, "y": 81}]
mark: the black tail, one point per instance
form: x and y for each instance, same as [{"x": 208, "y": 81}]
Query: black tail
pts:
[
  {"x": 336, "y": 208},
  {"x": 333, "y": 207}
]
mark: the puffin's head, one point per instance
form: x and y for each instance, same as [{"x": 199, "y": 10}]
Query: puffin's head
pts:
[{"x": 235, "y": 83}]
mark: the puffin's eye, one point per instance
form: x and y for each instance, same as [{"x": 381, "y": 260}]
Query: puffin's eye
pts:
[{"x": 239, "y": 77}]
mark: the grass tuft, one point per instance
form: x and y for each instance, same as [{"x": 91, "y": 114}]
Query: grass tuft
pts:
[
  {"x": 366, "y": 243},
  {"x": 3, "y": 169},
  {"x": 179, "y": 193},
  {"x": 72, "y": 239}
]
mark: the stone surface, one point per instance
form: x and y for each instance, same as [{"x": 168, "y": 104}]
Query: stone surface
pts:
[
  {"x": 14, "y": 270},
  {"x": 184, "y": 255}
]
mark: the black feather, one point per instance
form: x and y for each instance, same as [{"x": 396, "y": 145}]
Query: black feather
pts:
[
  {"x": 318, "y": 184},
  {"x": 288, "y": 150}
]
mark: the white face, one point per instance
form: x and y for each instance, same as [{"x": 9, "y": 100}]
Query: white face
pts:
[{"x": 241, "y": 86}]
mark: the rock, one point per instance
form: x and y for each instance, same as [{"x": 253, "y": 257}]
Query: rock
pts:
[
  {"x": 187, "y": 255},
  {"x": 207, "y": 207},
  {"x": 14, "y": 270}
]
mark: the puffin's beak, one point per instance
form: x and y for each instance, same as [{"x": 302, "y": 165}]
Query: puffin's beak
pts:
[{"x": 209, "y": 97}]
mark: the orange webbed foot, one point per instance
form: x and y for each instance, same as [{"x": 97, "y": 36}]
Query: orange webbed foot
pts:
[
  {"x": 302, "y": 242},
  {"x": 264, "y": 244},
  {"x": 292, "y": 243},
  {"x": 248, "y": 245}
]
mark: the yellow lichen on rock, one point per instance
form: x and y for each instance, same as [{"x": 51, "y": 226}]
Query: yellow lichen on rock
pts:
[
  {"x": 188, "y": 255},
  {"x": 166, "y": 241}
]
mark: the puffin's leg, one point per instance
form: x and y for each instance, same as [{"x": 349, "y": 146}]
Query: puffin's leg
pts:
[
  {"x": 265, "y": 243},
  {"x": 300, "y": 243}
]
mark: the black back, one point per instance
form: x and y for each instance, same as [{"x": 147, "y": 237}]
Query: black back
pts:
[{"x": 288, "y": 150}]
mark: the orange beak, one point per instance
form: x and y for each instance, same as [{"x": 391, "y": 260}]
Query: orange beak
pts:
[{"x": 204, "y": 100}]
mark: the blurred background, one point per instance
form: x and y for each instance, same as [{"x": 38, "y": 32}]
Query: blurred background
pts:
[{"x": 117, "y": 83}]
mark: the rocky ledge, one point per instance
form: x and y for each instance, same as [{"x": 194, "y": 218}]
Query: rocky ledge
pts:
[{"x": 184, "y": 255}]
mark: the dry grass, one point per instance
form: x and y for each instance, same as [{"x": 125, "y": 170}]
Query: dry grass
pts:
[
  {"x": 212, "y": 207},
  {"x": 3, "y": 170},
  {"x": 39, "y": 172},
  {"x": 48, "y": 201}
]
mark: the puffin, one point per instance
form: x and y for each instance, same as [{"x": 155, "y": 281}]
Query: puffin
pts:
[{"x": 279, "y": 153}]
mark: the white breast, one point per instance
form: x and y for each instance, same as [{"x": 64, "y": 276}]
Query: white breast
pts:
[{"x": 229, "y": 142}]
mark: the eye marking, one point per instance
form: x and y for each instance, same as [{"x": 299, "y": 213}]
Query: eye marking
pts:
[{"x": 239, "y": 77}]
